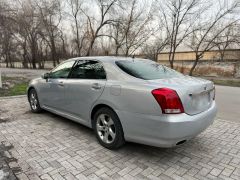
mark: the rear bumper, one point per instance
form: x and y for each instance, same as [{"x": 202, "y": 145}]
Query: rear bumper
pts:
[{"x": 165, "y": 130}]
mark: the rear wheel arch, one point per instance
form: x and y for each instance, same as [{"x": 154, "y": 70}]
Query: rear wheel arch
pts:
[{"x": 106, "y": 110}]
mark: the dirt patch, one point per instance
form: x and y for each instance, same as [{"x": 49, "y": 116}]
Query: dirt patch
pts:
[
  {"x": 3, "y": 111},
  {"x": 5, "y": 119},
  {"x": 12, "y": 86}
]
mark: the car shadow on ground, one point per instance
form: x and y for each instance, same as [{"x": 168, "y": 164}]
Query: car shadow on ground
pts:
[{"x": 130, "y": 147}]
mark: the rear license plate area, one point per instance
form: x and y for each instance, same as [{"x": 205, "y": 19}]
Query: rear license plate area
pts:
[{"x": 201, "y": 101}]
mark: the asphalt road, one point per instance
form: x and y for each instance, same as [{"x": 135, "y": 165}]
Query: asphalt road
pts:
[
  {"x": 228, "y": 102},
  {"x": 228, "y": 98}
]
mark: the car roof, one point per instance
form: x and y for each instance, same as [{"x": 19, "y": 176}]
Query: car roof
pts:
[{"x": 107, "y": 59}]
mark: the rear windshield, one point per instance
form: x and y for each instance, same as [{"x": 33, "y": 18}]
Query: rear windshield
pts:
[{"x": 147, "y": 70}]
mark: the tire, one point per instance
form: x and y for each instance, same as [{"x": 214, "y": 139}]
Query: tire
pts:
[
  {"x": 33, "y": 101},
  {"x": 106, "y": 123}
]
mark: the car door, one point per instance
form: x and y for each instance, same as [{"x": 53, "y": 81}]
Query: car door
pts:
[
  {"x": 53, "y": 92},
  {"x": 83, "y": 87}
]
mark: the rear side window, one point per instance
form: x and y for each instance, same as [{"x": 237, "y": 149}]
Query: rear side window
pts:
[
  {"x": 88, "y": 70},
  {"x": 147, "y": 70}
]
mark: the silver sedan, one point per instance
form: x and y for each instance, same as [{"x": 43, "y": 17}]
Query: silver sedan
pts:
[{"x": 126, "y": 99}]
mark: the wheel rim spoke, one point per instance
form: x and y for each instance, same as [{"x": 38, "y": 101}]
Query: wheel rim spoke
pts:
[
  {"x": 103, "y": 119},
  {"x": 110, "y": 122},
  {"x": 105, "y": 137},
  {"x": 33, "y": 101},
  {"x": 111, "y": 133},
  {"x": 105, "y": 128},
  {"x": 99, "y": 127}
]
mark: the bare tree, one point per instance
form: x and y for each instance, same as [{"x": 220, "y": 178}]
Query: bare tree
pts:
[
  {"x": 158, "y": 42},
  {"x": 63, "y": 50},
  {"x": 104, "y": 7},
  {"x": 133, "y": 27},
  {"x": 50, "y": 18},
  {"x": 152, "y": 49},
  {"x": 36, "y": 31},
  {"x": 178, "y": 17},
  {"x": 6, "y": 34},
  {"x": 226, "y": 39},
  {"x": 76, "y": 7},
  {"x": 29, "y": 30},
  {"x": 204, "y": 35}
]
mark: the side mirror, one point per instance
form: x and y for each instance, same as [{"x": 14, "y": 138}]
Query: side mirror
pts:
[{"x": 45, "y": 76}]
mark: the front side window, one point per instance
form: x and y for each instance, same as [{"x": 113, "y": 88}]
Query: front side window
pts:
[
  {"x": 62, "y": 71},
  {"x": 147, "y": 70},
  {"x": 88, "y": 70}
]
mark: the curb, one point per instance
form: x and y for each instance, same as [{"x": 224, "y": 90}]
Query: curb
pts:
[{"x": 12, "y": 97}]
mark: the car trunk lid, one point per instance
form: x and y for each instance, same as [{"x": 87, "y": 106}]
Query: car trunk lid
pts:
[{"x": 196, "y": 94}]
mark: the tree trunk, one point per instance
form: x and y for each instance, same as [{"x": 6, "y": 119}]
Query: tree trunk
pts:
[
  {"x": 127, "y": 52},
  {"x": 6, "y": 60},
  {"x": 53, "y": 52},
  {"x": 156, "y": 57},
  {"x": 116, "y": 50},
  {"x": 89, "y": 52},
  {"x": 25, "y": 62},
  {"x": 77, "y": 40},
  {"x": 222, "y": 53},
  {"x": 34, "y": 56},
  {"x": 173, "y": 58},
  {"x": 194, "y": 65},
  {"x": 64, "y": 52},
  {"x": 170, "y": 59},
  {"x": 171, "y": 64}
]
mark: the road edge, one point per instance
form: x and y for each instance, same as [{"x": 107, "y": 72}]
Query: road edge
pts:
[{"x": 12, "y": 97}]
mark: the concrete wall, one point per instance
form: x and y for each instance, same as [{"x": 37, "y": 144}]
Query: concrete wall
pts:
[
  {"x": 210, "y": 55},
  {"x": 209, "y": 68}
]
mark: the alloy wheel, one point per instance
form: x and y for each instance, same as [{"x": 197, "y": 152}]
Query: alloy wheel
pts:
[
  {"x": 105, "y": 128},
  {"x": 33, "y": 100}
]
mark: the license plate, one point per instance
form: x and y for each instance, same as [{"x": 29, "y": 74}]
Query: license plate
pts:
[{"x": 201, "y": 101}]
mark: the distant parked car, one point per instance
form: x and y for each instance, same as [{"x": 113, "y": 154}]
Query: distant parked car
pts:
[{"x": 126, "y": 99}]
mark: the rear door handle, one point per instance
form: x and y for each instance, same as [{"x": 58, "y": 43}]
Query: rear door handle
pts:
[{"x": 96, "y": 86}]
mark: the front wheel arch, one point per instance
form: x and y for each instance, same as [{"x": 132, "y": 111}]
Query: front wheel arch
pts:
[
  {"x": 28, "y": 91},
  {"x": 38, "y": 108}
]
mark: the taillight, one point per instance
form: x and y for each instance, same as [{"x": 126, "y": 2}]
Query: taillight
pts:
[{"x": 168, "y": 100}]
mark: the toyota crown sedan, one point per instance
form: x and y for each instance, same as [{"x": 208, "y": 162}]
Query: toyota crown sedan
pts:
[{"x": 126, "y": 99}]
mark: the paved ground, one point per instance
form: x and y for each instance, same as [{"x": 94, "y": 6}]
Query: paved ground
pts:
[
  {"x": 228, "y": 101},
  {"x": 45, "y": 146}
]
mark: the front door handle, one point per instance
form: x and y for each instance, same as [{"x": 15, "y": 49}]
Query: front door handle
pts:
[
  {"x": 61, "y": 84},
  {"x": 96, "y": 86}
]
